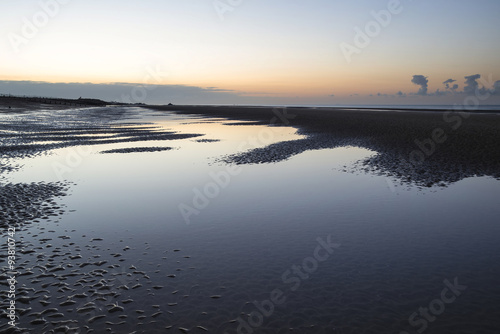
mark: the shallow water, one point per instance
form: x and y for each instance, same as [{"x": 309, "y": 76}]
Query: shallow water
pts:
[{"x": 238, "y": 232}]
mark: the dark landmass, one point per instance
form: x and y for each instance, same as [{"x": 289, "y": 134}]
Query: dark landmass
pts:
[
  {"x": 10, "y": 103},
  {"x": 422, "y": 147}
]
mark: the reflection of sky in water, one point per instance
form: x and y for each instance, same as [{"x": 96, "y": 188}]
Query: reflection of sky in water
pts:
[{"x": 268, "y": 217}]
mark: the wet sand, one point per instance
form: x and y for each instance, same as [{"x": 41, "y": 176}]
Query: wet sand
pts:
[
  {"x": 33, "y": 133},
  {"x": 420, "y": 147},
  {"x": 71, "y": 283}
]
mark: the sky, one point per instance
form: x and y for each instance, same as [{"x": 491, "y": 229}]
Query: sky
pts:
[{"x": 325, "y": 52}]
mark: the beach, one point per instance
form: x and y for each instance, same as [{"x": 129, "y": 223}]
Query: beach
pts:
[
  {"x": 250, "y": 167},
  {"x": 426, "y": 147},
  {"x": 225, "y": 219}
]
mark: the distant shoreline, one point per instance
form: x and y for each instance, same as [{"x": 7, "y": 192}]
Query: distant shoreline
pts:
[
  {"x": 186, "y": 107},
  {"x": 32, "y": 102},
  {"x": 10, "y": 103}
]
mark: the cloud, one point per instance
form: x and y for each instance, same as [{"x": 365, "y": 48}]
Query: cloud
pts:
[
  {"x": 450, "y": 94},
  {"x": 216, "y": 89},
  {"x": 471, "y": 84},
  {"x": 421, "y": 81},
  {"x": 448, "y": 85},
  {"x": 496, "y": 88},
  {"x": 440, "y": 93}
]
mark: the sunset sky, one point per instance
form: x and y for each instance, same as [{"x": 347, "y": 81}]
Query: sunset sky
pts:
[{"x": 255, "y": 51}]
